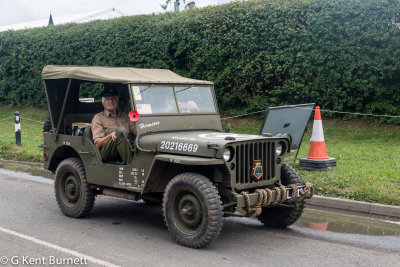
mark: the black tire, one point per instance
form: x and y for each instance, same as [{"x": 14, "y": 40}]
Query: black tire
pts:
[
  {"x": 46, "y": 125},
  {"x": 151, "y": 202},
  {"x": 192, "y": 210},
  {"x": 73, "y": 194},
  {"x": 282, "y": 217}
]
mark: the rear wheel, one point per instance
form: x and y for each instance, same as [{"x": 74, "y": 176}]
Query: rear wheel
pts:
[
  {"x": 73, "y": 194},
  {"x": 192, "y": 210},
  {"x": 282, "y": 217}
]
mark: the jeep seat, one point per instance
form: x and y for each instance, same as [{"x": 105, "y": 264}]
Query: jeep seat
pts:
[{"x": 88, "y": 133}]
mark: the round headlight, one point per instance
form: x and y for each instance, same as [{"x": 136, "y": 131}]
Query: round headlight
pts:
[
  {"x": 228, "y": 154},
  {"x": 280, "y": 148}
]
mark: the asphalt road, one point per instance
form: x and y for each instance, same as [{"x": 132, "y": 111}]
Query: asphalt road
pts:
[{"x": 34, "y": 232}]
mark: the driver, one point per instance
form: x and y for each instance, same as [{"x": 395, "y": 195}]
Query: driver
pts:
[
  {"x": 188, "y": 106},
  {"x": 110, "y": 129},
  {"x": 163, "y": 101}
]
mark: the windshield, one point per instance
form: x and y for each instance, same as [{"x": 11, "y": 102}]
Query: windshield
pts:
[{"x": 161, "y": 100}]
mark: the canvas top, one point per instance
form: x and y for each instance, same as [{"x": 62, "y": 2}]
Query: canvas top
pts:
[{"x": 117, "y": 75}]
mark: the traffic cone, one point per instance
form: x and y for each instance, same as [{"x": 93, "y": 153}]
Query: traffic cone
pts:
[
  {"x": 317, "y": 149},
  {"x": 318, "y": 159}
]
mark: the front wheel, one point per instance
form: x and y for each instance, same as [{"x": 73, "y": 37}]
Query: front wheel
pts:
[
  {"x": 192, "y": 210},
  {"x": 282, "y": 217},
  {"x": 73, "y": 194}
]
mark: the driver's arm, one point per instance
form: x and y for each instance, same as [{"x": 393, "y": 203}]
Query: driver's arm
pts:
[{"x": 102, "y": 141}]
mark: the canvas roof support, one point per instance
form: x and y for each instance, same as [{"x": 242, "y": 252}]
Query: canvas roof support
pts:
[{"x": 63, "y": 107}]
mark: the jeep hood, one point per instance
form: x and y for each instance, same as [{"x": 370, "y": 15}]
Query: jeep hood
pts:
[{"x": 196, "y": 143}]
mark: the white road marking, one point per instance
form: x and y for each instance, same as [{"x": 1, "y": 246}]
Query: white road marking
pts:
[{"x": 59, "y": 248}]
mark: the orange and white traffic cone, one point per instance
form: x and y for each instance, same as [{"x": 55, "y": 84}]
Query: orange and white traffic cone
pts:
[
  {"x": 317, "y": 149},
  {"x": 318, "y": 158}
]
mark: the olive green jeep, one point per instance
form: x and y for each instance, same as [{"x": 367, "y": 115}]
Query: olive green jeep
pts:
[{"x": 181, "y": 157}]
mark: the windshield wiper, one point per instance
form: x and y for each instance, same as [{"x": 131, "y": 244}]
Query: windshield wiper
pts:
[
  {"x": 183, "y": 89},
  {"x": 144, "y": 89}
]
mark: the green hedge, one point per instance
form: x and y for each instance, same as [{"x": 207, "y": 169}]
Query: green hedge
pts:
[{"x": 342, "y": 54}]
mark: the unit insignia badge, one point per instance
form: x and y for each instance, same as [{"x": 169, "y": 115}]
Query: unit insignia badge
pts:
[{"x": 257, "y": 170}]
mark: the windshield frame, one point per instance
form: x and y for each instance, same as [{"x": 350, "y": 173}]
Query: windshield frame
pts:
[{"x": 173, "y": 86}]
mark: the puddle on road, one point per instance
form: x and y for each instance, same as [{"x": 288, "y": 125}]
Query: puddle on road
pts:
[{"x": 348, "y": 223}]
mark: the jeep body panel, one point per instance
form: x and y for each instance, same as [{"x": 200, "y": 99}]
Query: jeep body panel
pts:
[{"x": 178, "y": 123}]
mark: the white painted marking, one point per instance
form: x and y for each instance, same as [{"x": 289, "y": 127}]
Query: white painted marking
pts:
[
  {"x": 59, "y": 248},
  {"x": 317, "y": 132},
  {"x": 152, "y": 124}
]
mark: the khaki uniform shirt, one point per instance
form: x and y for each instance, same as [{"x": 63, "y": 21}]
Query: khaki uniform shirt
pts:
[{"x": 103, "y": 124}]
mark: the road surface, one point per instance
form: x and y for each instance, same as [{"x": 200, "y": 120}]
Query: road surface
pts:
[{"x": 34, "y": 232}]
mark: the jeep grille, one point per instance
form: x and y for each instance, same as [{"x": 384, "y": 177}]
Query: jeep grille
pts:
[{"x": 246, "y": 153}]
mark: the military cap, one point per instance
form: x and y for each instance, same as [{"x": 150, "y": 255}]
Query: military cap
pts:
[{"x": 109, "y": 92}]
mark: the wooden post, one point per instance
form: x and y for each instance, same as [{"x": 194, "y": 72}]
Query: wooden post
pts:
[{"x": 17, "y": 128}]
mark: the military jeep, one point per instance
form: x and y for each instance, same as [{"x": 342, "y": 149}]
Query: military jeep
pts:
[{"x": 181, "y": 157}]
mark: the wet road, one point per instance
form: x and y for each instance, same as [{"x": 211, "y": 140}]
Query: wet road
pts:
[{"x": 125, "y": 233}]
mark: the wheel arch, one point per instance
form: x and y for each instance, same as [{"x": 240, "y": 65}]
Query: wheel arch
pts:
[
  {"x": 166, "y": 167},
  {"x": 60, "y": 154}
]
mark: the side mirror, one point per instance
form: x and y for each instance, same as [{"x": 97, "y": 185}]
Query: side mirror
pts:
[{"x": 228, "y": 128}]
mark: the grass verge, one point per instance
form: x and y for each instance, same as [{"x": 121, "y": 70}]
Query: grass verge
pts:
[
  {"x": 31, "y": 133},
  {"x": 368, "y": 162},
  {"x": 36, "y": 169}
]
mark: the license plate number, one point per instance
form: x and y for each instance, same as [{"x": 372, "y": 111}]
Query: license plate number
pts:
[{"x": 289, "y": 192}]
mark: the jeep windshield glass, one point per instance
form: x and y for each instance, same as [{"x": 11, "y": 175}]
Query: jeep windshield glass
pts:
[
  {"x": 161, "y": 100},
  {"x": 195, "y": 99},
  {"x": 150, "y": 100}
]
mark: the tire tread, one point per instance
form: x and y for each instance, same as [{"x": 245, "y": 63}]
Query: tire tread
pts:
[
  {"x": 282, "y": 217},
  {"x": 214, "y": 204},
  {"x": 88, "y": 195}
]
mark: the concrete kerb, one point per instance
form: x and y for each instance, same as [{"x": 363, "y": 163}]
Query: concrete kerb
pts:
[
  {"x": 353, "y": 205},
  {"x": 317, "y": 201}
]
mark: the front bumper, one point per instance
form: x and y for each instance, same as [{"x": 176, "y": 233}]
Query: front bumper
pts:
[{"x": 251, "y": 203}]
